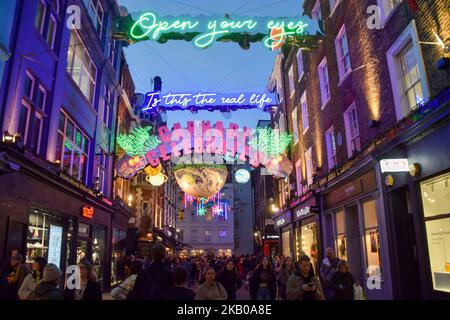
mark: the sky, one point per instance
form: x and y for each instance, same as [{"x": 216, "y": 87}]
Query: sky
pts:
[{"x": 224, "y": 67}]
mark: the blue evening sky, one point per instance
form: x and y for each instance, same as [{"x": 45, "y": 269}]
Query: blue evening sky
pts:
[{"x": 224, "y": 67}]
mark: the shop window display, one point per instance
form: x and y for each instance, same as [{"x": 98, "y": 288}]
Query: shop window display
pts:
[
  {"x": 98, "y": 251},
  {"x": 309, "y": 242},
  {"x": 341, "y": 242},
  {"x": 372, "y": 237},
  {"x": 286, "y": 243},
  {"x": 436, "y": 205}
]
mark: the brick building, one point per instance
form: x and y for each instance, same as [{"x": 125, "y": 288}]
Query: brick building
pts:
[{"x": 366, "y": 95}]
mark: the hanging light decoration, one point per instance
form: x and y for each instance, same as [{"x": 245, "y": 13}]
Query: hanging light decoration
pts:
[
  {"x": 157, "y": 180},
  {"x": 242, "y": 176},
  {"x": 201, "y": 181},
  {"x": 151, "y": 171}
]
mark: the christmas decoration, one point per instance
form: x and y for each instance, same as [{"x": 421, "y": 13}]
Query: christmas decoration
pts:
[{"x": 138, "y": 142}]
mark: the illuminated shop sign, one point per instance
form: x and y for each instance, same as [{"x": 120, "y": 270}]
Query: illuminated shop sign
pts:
[
  {"x": 283, "y": 219},
  {"x": 394, "y": 165},
  {"x": 88, "y": 212},
  {"x": 205, "y": 30},
  {"x": 280, "y": 222},
  {"x": 272, "y": 237},
  {"x": 302, "y": 212},
  {"x": 157, "y": 102}
]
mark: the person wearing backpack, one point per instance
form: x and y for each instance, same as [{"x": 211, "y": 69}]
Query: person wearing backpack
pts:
[{"x": 152, "y": 282}]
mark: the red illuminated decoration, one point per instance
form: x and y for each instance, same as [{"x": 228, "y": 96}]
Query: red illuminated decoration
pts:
[{"x": 88, "y": 212}]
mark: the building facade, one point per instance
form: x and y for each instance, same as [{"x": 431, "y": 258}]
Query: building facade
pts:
[
  {"x": 367, "y": 96},
  {"x": 59, "y": 102}
]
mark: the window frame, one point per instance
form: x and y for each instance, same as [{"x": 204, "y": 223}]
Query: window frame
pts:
[
  {"x": 295, "y": 123},
  {"x": 316, "y": 12},
  {"x": 348, "y": 125},
  {"x": 341, "y": 56},
  {"x": 384, "y": 15},
  {"x": 333, "y": 8},
  {"x": 305, "y": 113},
  {"x": 299, "y": 176},
  {"x": 44, "y": 16},
  {"x": 291, "y": 80},
  {"x": 324, "y": 85},
  {"x": 309, "y": 166},
  {"x": 330, "y": 140},
  {"x": 300, "y": 65},
  {"x": 55, "y": 27},
  {"x": 408, "y": 35}
]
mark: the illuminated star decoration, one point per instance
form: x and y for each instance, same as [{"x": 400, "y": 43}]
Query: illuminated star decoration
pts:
[
  {"x": 138, "y": 142},
  {"x": 270, "y": 142}
]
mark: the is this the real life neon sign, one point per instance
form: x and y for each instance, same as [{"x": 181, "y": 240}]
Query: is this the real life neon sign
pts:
[
  {"x": 210, "y": 29},
  {"x": 156, "y": 101}
]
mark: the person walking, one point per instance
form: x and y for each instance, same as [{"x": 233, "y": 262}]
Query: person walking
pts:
[
  {"x": 121, "y": 291},
  {"x": 152, "y": 282},
  {"x": 230, "y": 279},
  {"x": 287, "y": 269},
  {"x": 210, "y": 289},
  {"x": 263, "y": 282},
  {"x": 179, "y": 291},
  {"x": 303, "y": 285},
  {"x": 47, "y": 288},
  {"x": 342, "y": 282},
  {"x": 90, "y": 289},
  {"x": 32, "y": 279},
  {"x": 327, "y": 269},
  {"x": 16, "y": 274}
]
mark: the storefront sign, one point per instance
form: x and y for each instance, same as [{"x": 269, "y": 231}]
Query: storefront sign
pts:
[
  {"x": 302, "y": 212},
  {"x": 206, "y": 30},
  {"x": 394, "y": 165},
  {"x": 157, "y": 102},
  {"x": 307, "y": 208},
  {"x": 283, "y": 220},
  {"x": 271, "y": 237},
  {"x": 88, "y": 212},
  {"x": 54, "y": 245}
]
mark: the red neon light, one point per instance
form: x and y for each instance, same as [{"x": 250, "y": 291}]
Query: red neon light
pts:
[{"x": 88, "y": 212}]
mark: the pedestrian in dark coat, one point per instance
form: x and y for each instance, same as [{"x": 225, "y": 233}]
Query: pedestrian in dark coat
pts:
[
  {"x": 263, "y": 282},
  {"x": 342, "y": 282},
  {"x": 287, "y": 269},
  {"x": 48, "y": 289},
  {"x": 179, "y": 291},
  {"x": 230, "y": 279},
  {"x": 90, "y": 288}
]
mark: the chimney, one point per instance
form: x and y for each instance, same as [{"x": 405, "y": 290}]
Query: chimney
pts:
[{"x": 157, "y": 83}]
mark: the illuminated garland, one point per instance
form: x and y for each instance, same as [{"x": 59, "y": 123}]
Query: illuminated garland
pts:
[
  {"x": 138, "y": 142},
  {"x": 270, "y": 142}
]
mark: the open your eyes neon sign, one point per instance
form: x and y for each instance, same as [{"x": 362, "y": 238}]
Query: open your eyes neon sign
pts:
[{"x": 210, "y": 29}]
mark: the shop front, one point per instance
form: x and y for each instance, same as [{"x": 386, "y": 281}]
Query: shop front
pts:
[
  {"x": 284, "y": 227},
  {"x": 418, "y": 202},
  {"x": 306, "y": 224},
  {"x": 353, "y": 224}
]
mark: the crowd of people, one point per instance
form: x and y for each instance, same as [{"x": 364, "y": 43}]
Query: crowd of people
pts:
[{"x": 212, "y": 278}]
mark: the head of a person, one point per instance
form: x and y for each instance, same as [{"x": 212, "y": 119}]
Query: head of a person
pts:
[
  {"x": 16, "y": 260},
  {"x": 276, "y": 258},
  {"x": 136, "y": 266},
  {"x": 51, "y": 274},
  {"x": 158, "y": 252},
  {"x": 210, "y": 275},
  {"x": 287, "y": 263},
  {"x": 229, "y": 265},
  {"x": 304, "y": 264},
  {"x": 179, "y": 275},
  {"x": 39, "y": 264},
  {"x": 330, "y": 253},
  {"x": 343, "y": 266},
  {"x": 265, "y": 263},
  {"x": 86, "y": 270}
]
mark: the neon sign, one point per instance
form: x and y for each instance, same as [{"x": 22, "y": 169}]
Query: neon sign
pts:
[
  {"x": 204, "y": 31},
  {"x": 157, "y": 102},
  {"x": 88, "y": 212},
  {"x": 202, "y": 143},
  {"x": 138, "y": 142}
]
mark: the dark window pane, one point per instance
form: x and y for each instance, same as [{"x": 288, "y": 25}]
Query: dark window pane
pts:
[
  {"x": 86, "y": 145},
  {"x": 83, "y": 166},
  {"x": 76, "y": 164},
  {"x": 62, "y": 119},
  {"x": 59, "y": 143},
  {"x": 67, "y": 156},
  {"x": 39, "y": 16},
  {"x": 28, "y": 87},
  {"x": 23, "y": 119},
  {"x": 69, "y": 129},
  {"x": 36, "y": 134},
  {"x": 51, "y": 31},
  {"x": 78, "y": 137}
]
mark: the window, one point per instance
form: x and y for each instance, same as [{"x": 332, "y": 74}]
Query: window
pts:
[
  {"x": 194, "y": 234},
  {"x": 29, "y": 85},
  {"x": 387, "y": 8},
  {"x": 324, "y": 82},
  {"x": 305, "y": 119},
  {"x": 300, "y": 66},
  {"x": 107, "y": 107},
  {"x": 181, "y": 235},
  {"x": 333, "y": 5},
  {"x": 101, "y": 171},
  {"x": 436, "y": 211},
  {"x": 222, "y": 233},
  {"x": 341, "y": 242},
  {"x": 309, "y": 166},
  {"x": 112, "y": 49},
  {"x": 372, "y": 237},
  {"x": 407, "y": 71},
  {"x": 81, "y": 67},
  {"x": 295, "y": 125},
  {"x": 96, "y": 13},
  {"x": 342, "y": 54},
  {"x": 291, "y": 81},
  {"x": 331, "y": 147},
  {"x": 298, "y": 177},
  {"x": 73, "y": 145},
  {"x": 24, "y": 120},
  {"x": 283, "y": 187},
  {"x": 352, "y": 130},
  {"x": 316, "y": 13},
  {"x": 41, "y": 12},
  {"x": 51, "y": 32}
]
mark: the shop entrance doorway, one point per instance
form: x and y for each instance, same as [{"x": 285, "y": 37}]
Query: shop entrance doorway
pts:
[
  {"x": 16, "y": 239},
  {"x": 353, "y": 242}
]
